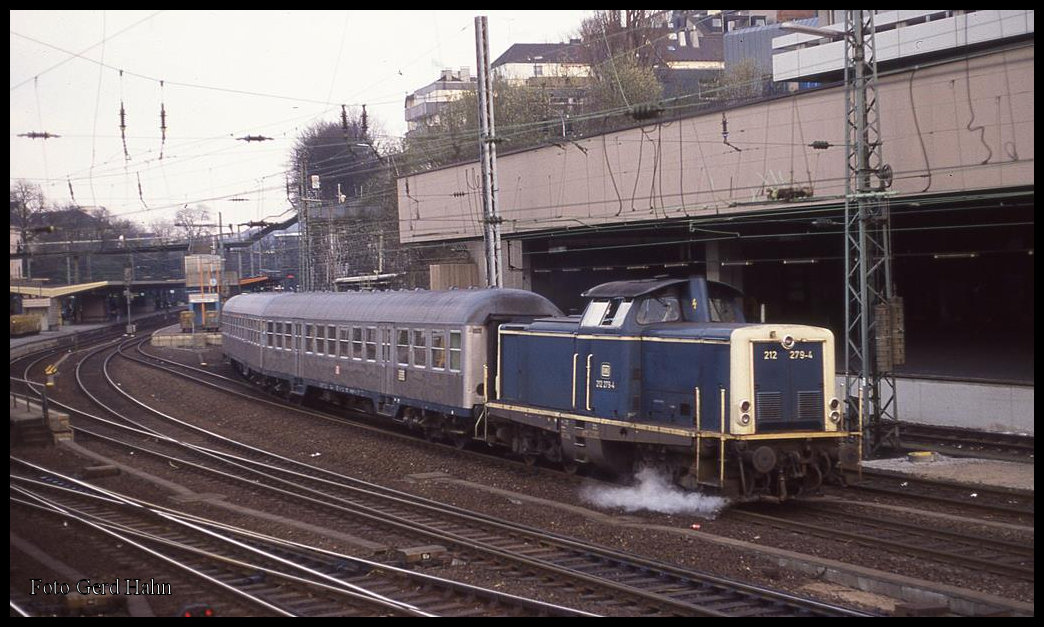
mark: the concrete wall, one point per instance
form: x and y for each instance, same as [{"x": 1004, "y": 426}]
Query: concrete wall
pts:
[
  {"x": 980, "y": 406},
  {"x": 954, "y": 128},
  {"x": 998, "y": 408}
]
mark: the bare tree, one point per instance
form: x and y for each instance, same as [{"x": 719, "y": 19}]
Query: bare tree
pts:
[
  {"x": 162, "y": 228},
  {"x": 339, "y": 153},
  {"x": 193, "y": 222},
  {"x": 27, "y": 203},
  {"x": 614, "y": 34},
  {"x": 619, "y": 47}
]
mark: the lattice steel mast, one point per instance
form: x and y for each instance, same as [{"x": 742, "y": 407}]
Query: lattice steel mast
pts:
[{"x": 873, "y": 313}]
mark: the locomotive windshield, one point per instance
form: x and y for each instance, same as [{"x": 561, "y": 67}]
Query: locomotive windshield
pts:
[
  {"x": 726, "y": 305},
  {"x": 606, "y": 312},
  {"x": 662, "y": 308}
]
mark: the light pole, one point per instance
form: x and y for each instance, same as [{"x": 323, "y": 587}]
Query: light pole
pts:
[{"x": 128, "y": 277}]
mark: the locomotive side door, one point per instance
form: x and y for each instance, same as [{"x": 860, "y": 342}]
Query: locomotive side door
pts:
[
  {"x": 595, "y": 379},
  {"x": 582, "y": 356}
]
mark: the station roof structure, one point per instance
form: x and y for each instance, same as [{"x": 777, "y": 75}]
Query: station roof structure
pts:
[{"x": 57, "y": 291}]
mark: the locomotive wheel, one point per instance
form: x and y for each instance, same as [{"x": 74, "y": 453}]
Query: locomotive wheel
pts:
[
  {"x": 459, "y": 441},
  {"x": 570, "y": 468},
  {"x": 763, "y": 459},
  {"x": 529, "y": 460}
]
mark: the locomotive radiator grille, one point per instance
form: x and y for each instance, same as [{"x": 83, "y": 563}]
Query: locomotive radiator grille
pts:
[
  {"x": 769, "y": 406},
  {"x": 810, "y": 405}
]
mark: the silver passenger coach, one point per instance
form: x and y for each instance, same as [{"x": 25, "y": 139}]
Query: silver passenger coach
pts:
[{"x": 419, "y": 357}]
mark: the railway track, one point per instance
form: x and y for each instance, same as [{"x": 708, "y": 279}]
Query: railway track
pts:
[
  {"x": 955, "y": 442},
  {"x": 279, "y": 577},
  {"x": 985, "y": 498},
  {"x": 644, "y": 587},
  {"x": 967, "y": 550},
  {"x": 617, "y": 604}
]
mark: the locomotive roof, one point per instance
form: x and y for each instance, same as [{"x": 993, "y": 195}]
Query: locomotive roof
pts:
[
  {"x": 641, "y": 287},
  {"x": 472, "y": 306},
  {"x": 629, "y": 289}
]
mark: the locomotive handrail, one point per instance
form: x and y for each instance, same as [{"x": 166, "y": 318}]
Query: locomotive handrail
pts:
[
  {"x": 588, "y": 383},
  {"x": 575, "y": 355}
]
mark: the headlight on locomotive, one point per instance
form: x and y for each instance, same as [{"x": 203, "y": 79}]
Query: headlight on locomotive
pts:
[
  {"x": 745, "y": 413},
  {"x": 835, "y": 413}
]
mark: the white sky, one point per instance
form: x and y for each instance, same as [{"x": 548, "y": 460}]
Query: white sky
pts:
[{"x": 226, "y": 74}]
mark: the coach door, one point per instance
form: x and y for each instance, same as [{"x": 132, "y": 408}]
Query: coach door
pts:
[
  {"x": 298, "y": 345},
  {"x": 385, "y": 367}
]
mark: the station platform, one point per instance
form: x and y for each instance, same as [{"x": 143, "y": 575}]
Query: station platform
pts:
[
  {"x": 56, "y": 335},
  {"x": 31, "y": 426},
  {"x": 965, "y": 470},
  {"x": 173, "y": 337}
]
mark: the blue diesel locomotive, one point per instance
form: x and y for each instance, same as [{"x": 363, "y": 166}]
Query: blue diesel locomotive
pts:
[{"x": 662, "y": 373}]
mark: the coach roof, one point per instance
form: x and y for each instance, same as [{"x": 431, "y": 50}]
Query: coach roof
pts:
[{"x": 472, "y": 306}]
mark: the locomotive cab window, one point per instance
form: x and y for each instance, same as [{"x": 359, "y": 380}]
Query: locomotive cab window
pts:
[
  {"x": 725, "y": 304},
  {"x": 661, "y": 308},
  {"x": 606, "y": 312}
]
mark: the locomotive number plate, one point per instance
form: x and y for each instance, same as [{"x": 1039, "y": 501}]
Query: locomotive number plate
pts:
[{"x": 792, "y": 354}]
